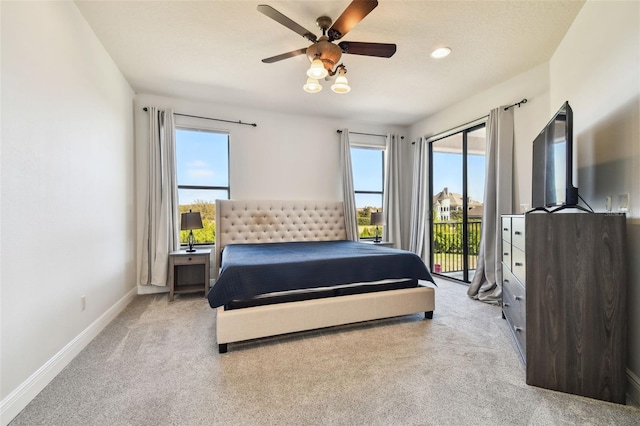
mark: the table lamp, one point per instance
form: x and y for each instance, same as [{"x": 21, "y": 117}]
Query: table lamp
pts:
[
  {"x": 377, "y": 219},
  {"x": 189, "y": 222}
]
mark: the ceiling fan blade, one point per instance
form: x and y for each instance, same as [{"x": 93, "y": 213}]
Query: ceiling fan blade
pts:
[
  {"x": 285, "y": 56},
  {"x": 352, "y": 15},
  {"x": 287, "y": 22},
  {"x": 381, "y": 50}
]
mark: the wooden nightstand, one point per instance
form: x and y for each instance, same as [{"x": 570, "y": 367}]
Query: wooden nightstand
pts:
[{"x": 189, "y": 272}]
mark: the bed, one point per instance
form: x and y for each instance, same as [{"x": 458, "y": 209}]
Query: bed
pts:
[{"x": 286, "y": 266}]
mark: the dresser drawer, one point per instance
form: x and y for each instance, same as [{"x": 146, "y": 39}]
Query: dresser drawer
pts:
[
  {"x": 197, "y": 259},
  {"x": 516, "y": 291},
  {"x": 506, "y": 229},
  {"x": 512, "y": 312},
  {"x": 517, "y": 232},
  {"x": 518, "y": 264},
  {"x": 513, "y": 307},
  {"x": 506, "y": 254}
]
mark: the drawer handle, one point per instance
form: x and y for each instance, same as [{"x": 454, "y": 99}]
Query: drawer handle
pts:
[
  {"x": 506, "y": 305},
  {"x": 518, "y": 263},
  {"x": 506, "y": 254},
  {"x": 505, "y": 280},
  {"x": 517, "y": 233},
  {"x": 519, "y": 297},
  {"x": 189, "y": 258},
  {"x": 505, "y": 229},
  {"x": 517, "y": 329}
]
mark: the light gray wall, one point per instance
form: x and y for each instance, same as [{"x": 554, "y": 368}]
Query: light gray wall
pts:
[
  {"x": 67, "y": 212},
  {"x": 598, "y": 72}
]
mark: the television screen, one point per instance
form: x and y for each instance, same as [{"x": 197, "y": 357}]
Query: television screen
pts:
[
  {"x": 552, "y": 163},
  {"x": 557, "y": 162}
]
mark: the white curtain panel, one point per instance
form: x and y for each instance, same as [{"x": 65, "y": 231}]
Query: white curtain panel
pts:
[
  {"x": 391, "y": 202},
  {"x": 486, "y": 284},
  {"x": 161, "y": 227},
  {"x": 419, "y": 202},
  {"x": 349, "y": 196}
]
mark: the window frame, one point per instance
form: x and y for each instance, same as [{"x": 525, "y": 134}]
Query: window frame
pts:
[
  {"x": 204, "y": 129},
  {"x": 383, "y": 151}
]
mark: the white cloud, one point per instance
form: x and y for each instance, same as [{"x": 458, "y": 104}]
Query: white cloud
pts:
[
  {"x": 199, "y": 169},
  {"x": 200, "y": 173},
  {"x": 198, "y": 164}
]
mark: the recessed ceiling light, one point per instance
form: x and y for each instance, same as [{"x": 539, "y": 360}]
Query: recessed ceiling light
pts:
[{"x": 441, "y": 52}]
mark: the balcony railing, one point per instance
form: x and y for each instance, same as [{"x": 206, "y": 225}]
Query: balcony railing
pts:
[{"x": 448, "y": 252}]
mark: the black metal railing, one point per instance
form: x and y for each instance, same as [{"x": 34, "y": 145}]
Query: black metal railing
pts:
[{"x": 448, "y": 253}]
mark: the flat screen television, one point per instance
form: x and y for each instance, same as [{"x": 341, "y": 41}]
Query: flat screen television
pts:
[{"x": 552, "y": 180}]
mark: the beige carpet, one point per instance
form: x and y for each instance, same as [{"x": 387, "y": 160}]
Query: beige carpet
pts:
[{"x": 157, "y": 364}]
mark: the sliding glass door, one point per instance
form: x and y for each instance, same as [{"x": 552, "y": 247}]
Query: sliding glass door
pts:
[{"x": 456, "y": 189}]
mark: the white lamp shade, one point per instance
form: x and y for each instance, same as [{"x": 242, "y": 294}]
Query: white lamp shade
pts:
[
  {"x": 312, "y": 86},
  {"x": 317, "y": 70},
  {"x": 341, "y": 85}
]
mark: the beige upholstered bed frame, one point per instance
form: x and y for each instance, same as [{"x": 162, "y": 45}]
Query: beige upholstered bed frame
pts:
[{"x": 263, "y": 221}]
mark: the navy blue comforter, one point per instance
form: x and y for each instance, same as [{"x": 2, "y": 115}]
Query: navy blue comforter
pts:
[{"x": 249, "y": 270}]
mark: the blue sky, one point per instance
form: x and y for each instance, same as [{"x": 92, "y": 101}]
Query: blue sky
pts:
[
  {"x": 202, "y": 159},
  {"x": 367, "y": 175},
  {"x": 447, "y": 172}
]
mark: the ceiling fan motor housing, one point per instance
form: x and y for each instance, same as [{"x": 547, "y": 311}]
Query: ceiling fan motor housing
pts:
[{"x": 328, "y": 53}]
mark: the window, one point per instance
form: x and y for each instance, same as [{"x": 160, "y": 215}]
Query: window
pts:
[
  {"x": 202, "y": 166},
  {"x": 368, "y": 184}
]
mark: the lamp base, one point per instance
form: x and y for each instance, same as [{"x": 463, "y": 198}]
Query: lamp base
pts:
[
  {"x": 191, "y": 240},
  {"x": 377, "y": 239}
]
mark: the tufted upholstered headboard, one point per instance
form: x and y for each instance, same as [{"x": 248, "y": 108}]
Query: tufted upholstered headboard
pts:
[{"x": 268, "y": 221}]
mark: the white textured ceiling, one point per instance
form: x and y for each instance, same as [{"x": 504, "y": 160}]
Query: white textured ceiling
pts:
[{"x": 212, "y": 51}]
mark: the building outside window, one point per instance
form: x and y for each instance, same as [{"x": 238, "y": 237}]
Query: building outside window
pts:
[
  {"x": 202, "y": 168},
  {"x": 368, "y": 184}
]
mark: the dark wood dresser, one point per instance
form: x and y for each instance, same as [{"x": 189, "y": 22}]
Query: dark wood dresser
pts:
[{"x": 575, "y": 297}]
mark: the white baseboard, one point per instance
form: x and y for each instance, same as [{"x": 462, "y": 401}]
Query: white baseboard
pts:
[
  {"x": 633, "y": 387},
  {"x": 152, "y": 289},
  {"x": 15, "y": 402}
]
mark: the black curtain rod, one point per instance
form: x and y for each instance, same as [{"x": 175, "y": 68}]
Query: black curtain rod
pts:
[
  {"x": 209, "y": 118},
  {"x": 524, "y": 101},
  {"x": 458, "y": 127},
  {"x": 367, "y": 134}
]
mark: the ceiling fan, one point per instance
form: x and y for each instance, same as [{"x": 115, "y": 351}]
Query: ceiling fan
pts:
[{"x": 323, "y": 53}]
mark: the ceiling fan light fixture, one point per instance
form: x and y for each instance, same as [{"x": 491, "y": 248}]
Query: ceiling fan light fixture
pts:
[
  {"x": 312, "y": 86},
  {"x": 341, "y": 85},
  {"x": 317, "y": 69}
]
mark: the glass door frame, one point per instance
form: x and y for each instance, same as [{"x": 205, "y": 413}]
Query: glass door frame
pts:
[{"x": 465, "y": 201}]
